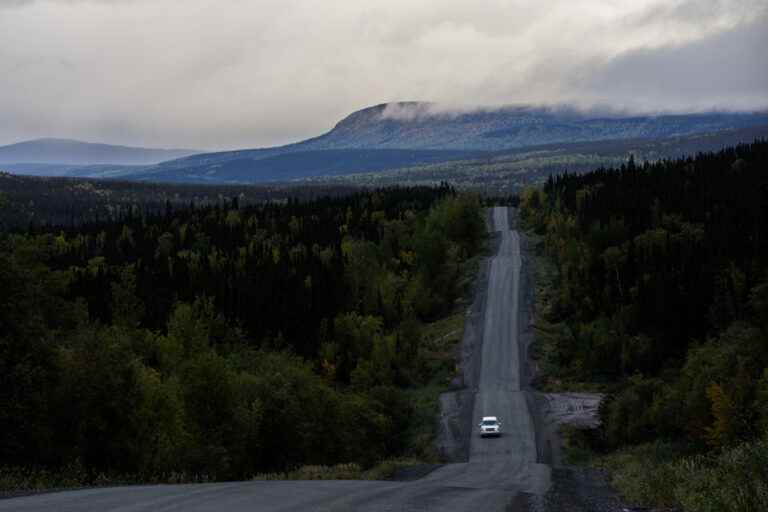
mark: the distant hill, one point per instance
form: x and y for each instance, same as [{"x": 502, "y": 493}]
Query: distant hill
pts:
[
  {"x": 65, "y": 152},
  {"x": 406, "y": 134}
]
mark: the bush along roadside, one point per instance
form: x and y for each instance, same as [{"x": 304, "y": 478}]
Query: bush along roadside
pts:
[{"x": 659, "y": 298}]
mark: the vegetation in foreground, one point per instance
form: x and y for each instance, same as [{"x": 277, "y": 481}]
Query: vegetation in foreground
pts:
[
  {"x": 225, "y": 342},
  {"x": 660, "y": 298}
]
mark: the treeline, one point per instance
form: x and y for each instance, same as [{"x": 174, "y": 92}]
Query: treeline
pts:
[
  {"x": 34, "y": 201},
  {"x": 223, "y": 341},
  {"x": 661, "y": 293}
]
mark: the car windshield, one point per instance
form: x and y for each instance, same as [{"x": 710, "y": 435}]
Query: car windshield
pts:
[{"x": 489, "y": 423}]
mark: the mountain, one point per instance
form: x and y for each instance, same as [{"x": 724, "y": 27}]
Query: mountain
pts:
[
  {"x": 406, "y": 134},
  {"x": 395, "y": 135},
  {"x": 415, "y": 125},
  {"x": 65, "y": 152}
]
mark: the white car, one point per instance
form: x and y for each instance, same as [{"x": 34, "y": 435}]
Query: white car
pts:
[{"x": 490, "y": 426}]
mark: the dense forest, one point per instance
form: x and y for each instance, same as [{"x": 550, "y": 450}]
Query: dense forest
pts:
[
  {"x": 224, "y": 340},
  {"x": 661, "y": 295},
  {"x": 42, "y": 201}
]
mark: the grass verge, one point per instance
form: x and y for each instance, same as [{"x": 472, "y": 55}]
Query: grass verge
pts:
[
  {"x": 382, "y": 471},
  {"x": 17, "y": 481},
  {"x": 661, "y": 474}
]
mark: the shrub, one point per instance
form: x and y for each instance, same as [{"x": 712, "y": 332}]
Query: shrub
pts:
[
  {"x": 660, "y": 474},
  {"x": 316, "y": 472},
  {"x": 644, "y": 474},
  {"x": 733, "y": 480}
]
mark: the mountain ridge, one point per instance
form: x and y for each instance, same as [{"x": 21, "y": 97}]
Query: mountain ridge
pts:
[
  {"x": 62, "y": 151},
  {"x": 505, "y": 128},
  {"x": 424, "y": 126},
  {"x": 402, "y": 134}
]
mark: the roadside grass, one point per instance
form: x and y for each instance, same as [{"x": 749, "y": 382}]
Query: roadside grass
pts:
[
  {"x": 382, "y": 471},
  {"x": 662, "y": 474},
  {"x": 644, "y": 474},
  {"x": 21, "y": 480},
  {"x": 17, "y": 481},
  {"x": 313, "y": 472}
]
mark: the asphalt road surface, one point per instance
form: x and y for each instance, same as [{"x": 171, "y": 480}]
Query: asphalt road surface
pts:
[{"x": 498, "y": 476}]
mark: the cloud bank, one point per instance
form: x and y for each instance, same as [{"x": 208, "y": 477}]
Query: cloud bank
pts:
[{"x": 217, "y": 74}]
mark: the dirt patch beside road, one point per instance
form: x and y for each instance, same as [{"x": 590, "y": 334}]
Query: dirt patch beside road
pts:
[{"x": 577, "y": 409}]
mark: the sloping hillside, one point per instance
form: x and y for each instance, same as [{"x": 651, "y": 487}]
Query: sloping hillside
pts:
[{"x": 63, "y": 152}]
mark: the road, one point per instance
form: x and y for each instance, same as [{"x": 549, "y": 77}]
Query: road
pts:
[{"x": 499, "y": 474}]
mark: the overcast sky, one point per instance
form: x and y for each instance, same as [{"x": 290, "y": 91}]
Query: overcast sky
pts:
[{"x": 215, "y": 74}]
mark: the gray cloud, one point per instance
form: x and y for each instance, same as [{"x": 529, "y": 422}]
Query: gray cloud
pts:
[
  {"x": 240, "y": 73},
  {"x": 725, "y": 70},
  {"x": 21, "y": 3}
]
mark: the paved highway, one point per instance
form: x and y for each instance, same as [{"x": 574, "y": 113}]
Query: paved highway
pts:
[{"x": 498, "y": 475}]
